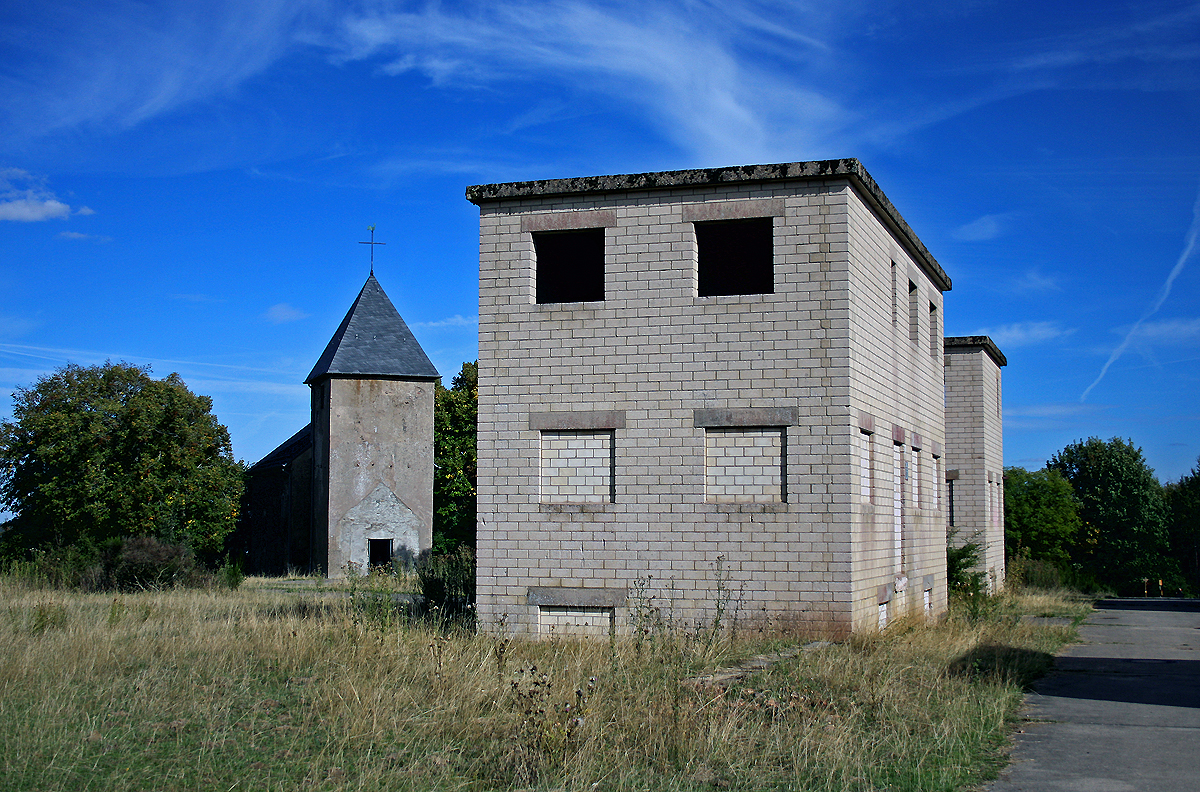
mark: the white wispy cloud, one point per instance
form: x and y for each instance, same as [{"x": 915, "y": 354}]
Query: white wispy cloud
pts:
[
  {"x": 62, "y": 355},
  {"x": 1189, "y": 248},
  {"x": 84, "y": 237},
  {"x": 1041, "y": 416},
  {"x": 1168, "y": 332},
  {"x": 1034, "y": 281},
  {"x": 1021, "y": 334},
  {"x": 983, "y": 229},
  {"x": 451, "y": 321},
  {"x": 13, "y": 326},
  {"x": 684, "y": 71},
  {"x": 280, "y": 313},
  {"x": 115, "y": 65},
  {"x": 1167, "y": 37},
  {"x": 1053, "y": 410},
  {"x": 25, "y": 198},
  {"x": 730, "y": 82}
]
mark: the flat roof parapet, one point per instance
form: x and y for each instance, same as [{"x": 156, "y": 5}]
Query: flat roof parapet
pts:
[
  {"x": 956, "y": 344},
  {"x": 850, "y": 169}
]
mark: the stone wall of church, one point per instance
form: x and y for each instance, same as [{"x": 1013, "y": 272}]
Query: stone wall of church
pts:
[{"x": 376, "y": 438}]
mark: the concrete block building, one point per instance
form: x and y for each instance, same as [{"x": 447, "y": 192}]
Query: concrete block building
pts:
[
  {"x": 704, "y": 384},
  {"x": 975, "y": 449}
]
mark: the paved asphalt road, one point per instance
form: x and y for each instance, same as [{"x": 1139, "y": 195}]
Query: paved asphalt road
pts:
[{"x": 1120, "y": 711}]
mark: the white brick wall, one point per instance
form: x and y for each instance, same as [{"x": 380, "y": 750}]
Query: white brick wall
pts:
[
  {"x": 975, "y": 452},
  {"x": 823, "y": 345}
]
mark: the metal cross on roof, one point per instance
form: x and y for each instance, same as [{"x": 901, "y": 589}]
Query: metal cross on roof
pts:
[{"x": 372, "y": 243}]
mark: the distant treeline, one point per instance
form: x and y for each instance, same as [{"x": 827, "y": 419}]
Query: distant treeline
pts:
[{"x": 1097, "y": 517}]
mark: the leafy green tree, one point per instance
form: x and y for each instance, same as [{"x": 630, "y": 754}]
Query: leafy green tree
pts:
[
  {"x": 1041, "y": 517},
  {"x": 455, "y": 422},
  {"x": 1183, "y": 503},
  {"x": 100, "y": 452},
  {"x": 1121, "y": 504}
]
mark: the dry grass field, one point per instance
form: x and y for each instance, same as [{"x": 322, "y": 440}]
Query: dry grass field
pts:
[{"x": 269, "y": 689}]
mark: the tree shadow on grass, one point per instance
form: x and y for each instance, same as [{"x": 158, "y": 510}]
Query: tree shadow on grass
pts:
[{"x": 999, "y": 663}]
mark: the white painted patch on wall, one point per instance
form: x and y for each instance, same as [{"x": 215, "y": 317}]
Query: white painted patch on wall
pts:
[{"x": 380, "y": 515}]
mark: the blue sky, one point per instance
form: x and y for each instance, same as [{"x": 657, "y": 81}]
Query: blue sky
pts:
[{"x": 184, "y": 184}]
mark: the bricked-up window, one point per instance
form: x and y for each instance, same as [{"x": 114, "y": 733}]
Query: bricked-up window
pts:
[
  {"x": 569, "y": 265},
  {"x": 937, "y": 483},
  {"x": 578, "y": 467},
  {"x": 866, "y": 466},
  {"x": 935, "y": 335},
  {"x": 915, "y": 475},
  {"x": 914, "y": 315},
  {"x": 735, "y": 257},
  {"x": 574, "y": 620},
  {"x": 899, "y": 475},
  {"x": 895, "y": 297},
  {"x": 745, "y": 465}
]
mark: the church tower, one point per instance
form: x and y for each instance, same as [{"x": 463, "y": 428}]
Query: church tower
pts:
[{"x": 372, "y": 428}]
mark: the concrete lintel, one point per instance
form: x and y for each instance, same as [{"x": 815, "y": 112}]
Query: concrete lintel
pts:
[
  {"x": 747, "y": 416},
  {"x": 564, "y": 597},
  {"x": 569, "y": 221},
  {"x": 775, "y": 507},
  {"x": 732, "y": 210},
  {"x": 883, "y": 594},
  {"x": 917, "y": 442},
  {"x": 866, "y": 422},
  {"x": 897, "y": 434},
  {"x": 927, "y": 585},
  {"x": 564, "y": 421},
  {"x": 952, "y": 475},
  {"x": 935, "y": 448},
  {"x": 575, "y": 508}
]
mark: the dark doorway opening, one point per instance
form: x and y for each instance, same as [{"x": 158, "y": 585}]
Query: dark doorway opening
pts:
[{"x": 380, "y": 552}]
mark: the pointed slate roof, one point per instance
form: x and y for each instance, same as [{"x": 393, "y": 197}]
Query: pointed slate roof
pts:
[{"x": 373, "y": 341}]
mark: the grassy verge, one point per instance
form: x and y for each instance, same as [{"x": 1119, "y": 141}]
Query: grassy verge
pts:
[{"x": 260, "y": 689}]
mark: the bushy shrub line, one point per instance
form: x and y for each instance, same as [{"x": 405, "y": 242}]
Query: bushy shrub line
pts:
[{"x": 127, "y": 564}]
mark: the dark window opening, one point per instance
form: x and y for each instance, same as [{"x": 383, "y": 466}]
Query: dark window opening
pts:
[
  {"x": 950, "y": 500},
  {"x": 735, "y": 257},
  {"x": 569, "y": 265},
  {"x": 380, "y": 552}
]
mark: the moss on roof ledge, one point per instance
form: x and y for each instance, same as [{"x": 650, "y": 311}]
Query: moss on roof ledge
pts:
[
  {"x": 850, "y": 169},
  {"x": 961, "y": 344}
]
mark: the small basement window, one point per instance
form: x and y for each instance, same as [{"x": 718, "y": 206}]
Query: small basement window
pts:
[
  {"x": 569, "y": 265},
  {"x": 735, "y": 257}
]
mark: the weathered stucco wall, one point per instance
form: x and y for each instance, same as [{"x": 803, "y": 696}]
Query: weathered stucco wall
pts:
[{"x": 379, "y": 439}]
